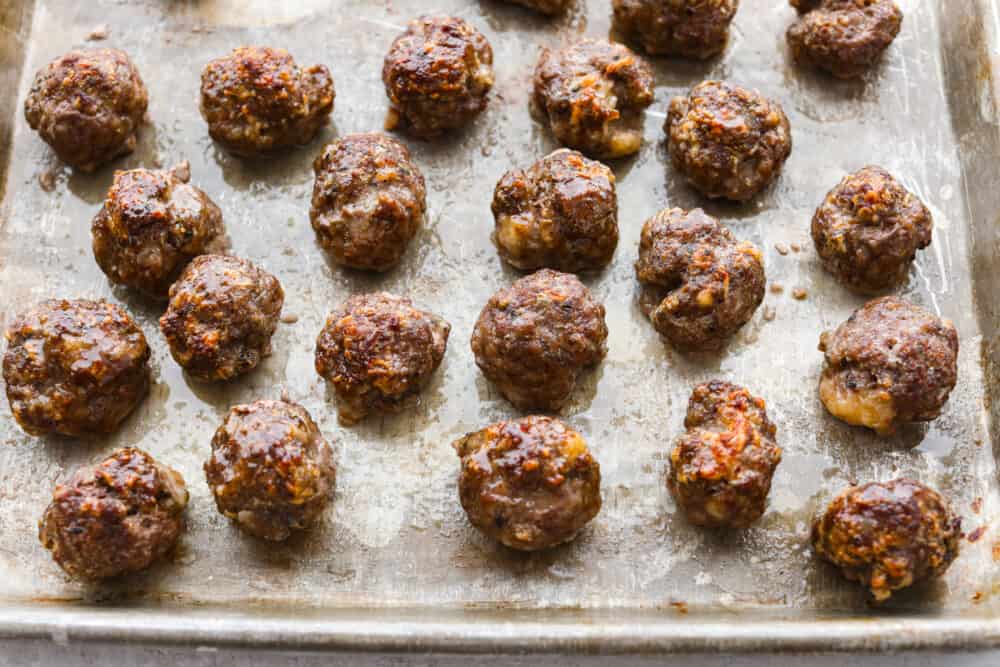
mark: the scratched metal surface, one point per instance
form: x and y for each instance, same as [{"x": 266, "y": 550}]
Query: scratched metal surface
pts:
[{"x": 395, "y": 536}]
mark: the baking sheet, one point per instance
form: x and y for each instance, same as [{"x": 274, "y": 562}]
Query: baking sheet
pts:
[{"x": 395, "y": 537}]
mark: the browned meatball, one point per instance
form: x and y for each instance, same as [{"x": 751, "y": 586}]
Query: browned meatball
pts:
[
  {"x": 726, "y": 140},
  {"x": 151, "y": 225},
  {"x": 593, "y": 95},
  {"x": 843, "y": 37},
  {"x": 721, "y": 468},
  {"x": 270, "y": 470},
  {"x": 74, "y": 367},
  {"x": 530, "y": 483},
  {"x": 689, "y": 28},
  {"x": 699, "y": 284},
  {"x": 87, "y": 105},
  {"x": 868, "y": 230},
  {"x": 116, "y": 517},
  {"x": 890, "y": 363},
  {"x": 561, "y": 213},
  {"x": 533, "y": 339},
  {"x": 257, "y": 99},
  {"x": 545, "y": 6},
  {"x": 368, "y": 201},
  {"x": 888, "y": 535},
  {"x": 221, "y": 316},
  {"x": 437, "y": 75},
  {"x": 379, "y": 351}
]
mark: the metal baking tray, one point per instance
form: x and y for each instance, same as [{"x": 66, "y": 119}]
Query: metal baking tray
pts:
[{"x": 395, "y": 565}]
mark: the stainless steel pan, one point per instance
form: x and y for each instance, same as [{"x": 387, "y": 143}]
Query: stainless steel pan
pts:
[{"x": 395, "y": 565}]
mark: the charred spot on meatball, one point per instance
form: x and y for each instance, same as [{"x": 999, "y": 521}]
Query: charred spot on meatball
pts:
[
  {"x": 699, "y": 284},
  {"x": 530, "y": 483},
  {"x": 74, "y": 367},
  {"x": 368, "y": 201},
  {"x": 890, "y": 363},
  {"x": 151, "y": 225},
  {"x": 114, "y": 518},
  {"x": 727, "y": 141},
  {"x": 257, "y": 100},
  {"x": 868, "y": 230},
  {"x": 221, "y": 316},
  {"x": 437, "y": 74},
  {"x": 534, "y": 338},
  {"x": 721, "y": 468},
  {"x": 88, "y": 105},
  {"x": 689, "y": 28},
  {"x": 888, "y": 535},
  {"x": 378, "y": 352},
  {"x": 593, "y": 95},
  {"x": 270, "y": 470},
  {"x": 843, "y": 37},
  {"x": 561, "y": 213},
  {"x": 803, "y": 6},
  {"x": 550, "y": 7}
]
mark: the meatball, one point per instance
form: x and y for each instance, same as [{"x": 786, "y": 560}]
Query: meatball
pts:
[
  {"x": 890, "y": 363},
  {"x": 116, "y": 517},
  {"x": 151, "y": 225},
  {"x": 551, "y": 7},
  {"x": 437, "y": 75},
  {"x": 727, "y": 141},
  {"x": 533, "y": 339},
  {"x": 721, "y": 468},
  {"x": 379, "y": 351},
  {"x": 257, "y": 100},
  {"x": 270, "y": 470},
  {"x": 868, "y": 230},
  {"x": 74, "y": 367},
  {"x": 888, "y": 535},
  {"x": 87, "y": 105},
  {"x": 843, "y": 37},
  {"x": 368, "y": 201},
  {"x": 689, "y": 28},
  {"x": 593, "y": 95},
  {"x": 699, "y": 284},
  {"x": 530, "y": 483},
  {"x": 561, "y": 213},
  {"x": 221, "y": 316}
]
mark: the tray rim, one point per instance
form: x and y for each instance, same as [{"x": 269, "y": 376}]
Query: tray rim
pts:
[{"x": 505, "y": 633}]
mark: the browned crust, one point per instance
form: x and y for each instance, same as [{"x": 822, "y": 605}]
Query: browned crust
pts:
[
  {"x": 529, "y": 483},
  {"x": 561, "y": 213},
  {"x": 221, "y": 315},
  {"x": 257, "y": 100},
  {"x": 74, "y": 367},
  {"x": 379, "y": 352},
  {"x": 888, "y": 535},
  {"x": 114, "y": 518},
  {"x": 699, "y": 284},
  {"x": 437, "y": 74},
  {"x": 721, "y": 468},
  {"x": 533, "y": 339},
  {"x": 728, "y": 141},
  {"x": 368, "y": 201},
  {"x": 270, "y": 469},
  {"x": 88, "y": 105}
]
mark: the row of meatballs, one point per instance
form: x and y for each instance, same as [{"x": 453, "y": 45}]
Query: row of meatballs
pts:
[
  {"x": 842, "y": 37},
  {"x": 529, "y": 483},
  {"x": 80, "y": 367},
  {"x": 728, "y": 141}
]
